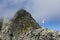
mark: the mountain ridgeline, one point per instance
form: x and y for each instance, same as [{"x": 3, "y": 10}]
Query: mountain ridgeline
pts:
[{"x": 23, "y": 27}]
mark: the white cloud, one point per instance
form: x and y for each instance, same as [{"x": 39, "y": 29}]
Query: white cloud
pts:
[
  {"x": 46, "y": 9},
  {"x": 9, "y": 7},
  {"x": 38, "y": 8}
]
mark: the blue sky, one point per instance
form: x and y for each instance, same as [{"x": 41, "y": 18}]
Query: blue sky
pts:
[{"x": 39, "y": 9}]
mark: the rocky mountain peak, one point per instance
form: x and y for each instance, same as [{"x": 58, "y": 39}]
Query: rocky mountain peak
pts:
[
  {"x": 23, "y": 21},
  {"x": 23, "y": 27},
  {"x": 21, "y": 13}
]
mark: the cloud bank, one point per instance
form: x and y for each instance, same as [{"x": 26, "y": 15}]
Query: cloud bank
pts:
[
  {"x": 38, "y": 8},
  {"x": 9, "y": 7}
]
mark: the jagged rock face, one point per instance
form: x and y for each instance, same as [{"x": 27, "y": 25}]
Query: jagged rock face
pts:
[
  {"x": 23, "y": 27},
  {"x": 1, "y": 23},
  {"x": 23, "y": 22}
]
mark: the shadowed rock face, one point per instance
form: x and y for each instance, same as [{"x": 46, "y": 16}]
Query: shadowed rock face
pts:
[
  {"x": 23, "y": 21},
  {"x": 1, "y": 23}
]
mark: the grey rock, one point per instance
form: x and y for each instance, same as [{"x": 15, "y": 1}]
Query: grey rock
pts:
[{"x": 23, "y": 27}]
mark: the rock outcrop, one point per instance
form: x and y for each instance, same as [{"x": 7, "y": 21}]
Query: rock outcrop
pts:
[{"x": 23, "y": 27}]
